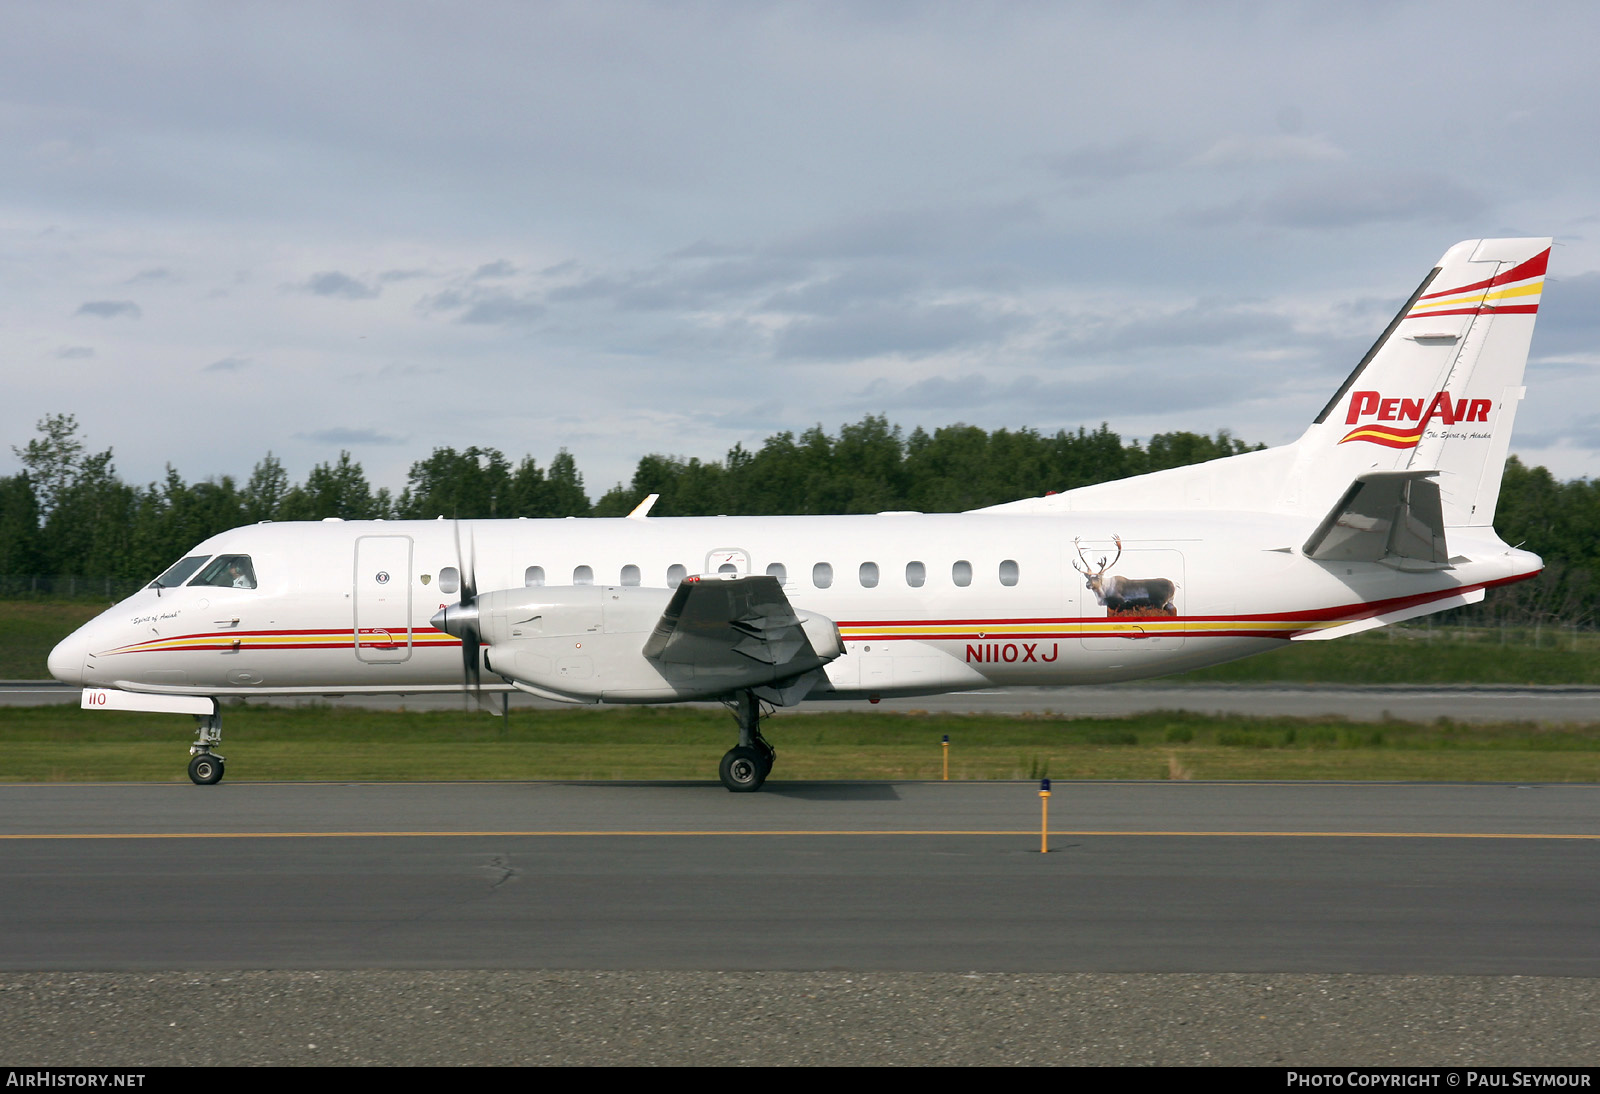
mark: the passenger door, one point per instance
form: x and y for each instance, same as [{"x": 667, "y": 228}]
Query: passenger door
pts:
[{"x": 382, "y": 599}]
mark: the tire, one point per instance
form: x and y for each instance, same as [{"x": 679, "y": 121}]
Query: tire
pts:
[
  {"x": 205, "y": 769},
  {"x": 743, "y": 770}
]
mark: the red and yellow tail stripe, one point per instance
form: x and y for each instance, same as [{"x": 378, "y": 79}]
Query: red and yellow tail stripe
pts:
[
  {"x": 1390, "y": 436},
  {"x": 1517, "y": 291}
]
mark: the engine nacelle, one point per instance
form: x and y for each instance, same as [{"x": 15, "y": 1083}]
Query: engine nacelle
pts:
[{"x": 619, "y": 644}]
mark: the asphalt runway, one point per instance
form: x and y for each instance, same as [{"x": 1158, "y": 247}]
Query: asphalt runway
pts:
[
  {"x": 1463, "y": 703},
  {"x": 911, "y": 877}
]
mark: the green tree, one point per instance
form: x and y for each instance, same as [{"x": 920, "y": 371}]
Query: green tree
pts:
[
  {"x": 336, "y": 490},
  {"x": 262, "y": 497},
  {"x": 476, "y": 483},
  {"x": 19, "y": 526},
  {"x": 54, "y": 459}
]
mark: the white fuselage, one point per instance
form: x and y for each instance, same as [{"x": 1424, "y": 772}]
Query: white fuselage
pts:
[{"x": 345, "y": 606}]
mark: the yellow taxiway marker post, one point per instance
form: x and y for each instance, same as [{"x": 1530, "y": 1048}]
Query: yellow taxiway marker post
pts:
[
  {"x": 945, "y": 744},
  {"x": 1044, "y": 816}
]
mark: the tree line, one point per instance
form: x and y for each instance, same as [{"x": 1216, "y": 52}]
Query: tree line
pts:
[{"x": 68, "y": 513}]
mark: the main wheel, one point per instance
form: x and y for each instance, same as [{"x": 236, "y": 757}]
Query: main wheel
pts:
[
  {"x": 205, "y": 769},
  {"x": 743, "y": 770}
]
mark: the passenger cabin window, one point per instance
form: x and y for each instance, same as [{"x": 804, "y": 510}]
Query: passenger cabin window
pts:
[
  {"x": 727, "y": 568},
  {"x": 779, "y": 571},
  {"x": 228, "y": 572},
  {"x": 630, "y": 574},
  {"x": 916, "y": 574},
  {"x": 533, "y": 577},
  {"x": 675, "y": 575},
  {"x": 449, "y": 579},
  {"x": 822, "y": 575},
  {"x": 869, "y": 575},
  {"x": 178, "y": 572},
  {"x": 1008, "y": 572},
  {"x": 582, "y": 575},
  {"x": 961, "y": 573}
]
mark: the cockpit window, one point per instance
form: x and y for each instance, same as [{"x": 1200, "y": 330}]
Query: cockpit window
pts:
[
  {"x": 228, "y": 572},
  {"x": 178, "y": 572}
]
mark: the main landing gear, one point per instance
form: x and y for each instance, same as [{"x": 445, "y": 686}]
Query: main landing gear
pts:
[
  {"x": 206, "y": 766},
  {"x": 746, "y": 766}
]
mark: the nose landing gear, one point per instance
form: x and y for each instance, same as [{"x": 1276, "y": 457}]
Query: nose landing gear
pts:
[{"x": 205, "y": 768}]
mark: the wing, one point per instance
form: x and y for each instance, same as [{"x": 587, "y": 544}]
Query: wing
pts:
[{"x": 732, "y": 620}]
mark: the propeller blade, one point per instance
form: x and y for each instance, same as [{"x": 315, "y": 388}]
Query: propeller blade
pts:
[{"x": 469, "y": 633}]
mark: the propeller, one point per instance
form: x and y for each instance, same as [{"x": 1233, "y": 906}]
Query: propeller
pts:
[{"x": 461, "y": 619}]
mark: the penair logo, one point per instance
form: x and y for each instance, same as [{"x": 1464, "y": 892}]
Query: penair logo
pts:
[
  {"x": 1410, "y": 417},
  {"x": 1516, "y": 291}
]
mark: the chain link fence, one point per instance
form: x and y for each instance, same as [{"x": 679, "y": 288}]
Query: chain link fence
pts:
[{"x": 67, "y": 587}]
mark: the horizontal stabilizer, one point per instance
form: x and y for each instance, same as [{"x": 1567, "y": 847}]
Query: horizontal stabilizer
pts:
[
  {"x": 713, "y": 617},
  {"x": 1384, "y": 516},
  {"x": 1399, "y": 615}
]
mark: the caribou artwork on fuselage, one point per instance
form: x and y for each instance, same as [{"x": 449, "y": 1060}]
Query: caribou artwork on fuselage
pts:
[{"x": 1126, "y": 596}]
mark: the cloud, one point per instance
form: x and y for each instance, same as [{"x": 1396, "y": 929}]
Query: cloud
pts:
[
  {"x": 837, "y": 292},
  {"x": 962, "y": 229},
  {"x": 500, "y": 267},
  {"x": 227, "y": 364},
  {"x": 1347, "y": 200},
  {"x": 1100, "y": 163},
  {"x": 1583, "y": 432},
  {"x": 907, "y": 330},
  {"x": 345, "y": 435},
  {"x": 154, "y": 274},
  {"x": 1277, "y": 148},
  {"x": 501, "y": 308},
  {"x": 1072, "y": 398},
  {"x": 684, "y": 285},
  {"x": 334, "y": 283},
  {"x": 71, "y": 353},
  {"x": 398, "y": 371},
  {"x": 109, "y": 309},
  {"x": 400, "y": 275},
  {"x": 1569, "y": 317},
  {"x": 1205, "y": 323}
]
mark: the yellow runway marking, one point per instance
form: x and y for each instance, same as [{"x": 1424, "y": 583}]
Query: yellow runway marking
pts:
[{"x": 558, "y": 833}]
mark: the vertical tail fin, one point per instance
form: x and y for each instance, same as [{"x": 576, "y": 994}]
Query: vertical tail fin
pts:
[{"x": 1439, "y": 389}]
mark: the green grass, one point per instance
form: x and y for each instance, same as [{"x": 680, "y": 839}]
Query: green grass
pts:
[{"x": 45, "y": 744}]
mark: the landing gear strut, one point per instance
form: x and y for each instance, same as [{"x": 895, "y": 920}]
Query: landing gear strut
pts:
[
  {"x": 746, "y": 766},
  {"x": 206, "y": 766}
]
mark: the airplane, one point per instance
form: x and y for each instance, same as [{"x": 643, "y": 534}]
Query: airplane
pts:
[{"x": 1381, "y": 511}]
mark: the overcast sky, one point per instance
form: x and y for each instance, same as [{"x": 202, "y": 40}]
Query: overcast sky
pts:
[{"x": 630, "y": 228}]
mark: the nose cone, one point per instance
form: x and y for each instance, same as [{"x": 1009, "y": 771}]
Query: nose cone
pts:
[
  {"x": 454, "y": 619},
  {"x": 66, "y": 660}
]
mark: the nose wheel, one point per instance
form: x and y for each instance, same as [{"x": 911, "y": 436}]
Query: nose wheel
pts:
[
  {"x": 205, "y": 769},
  {"x": 205, "y": 766}
]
